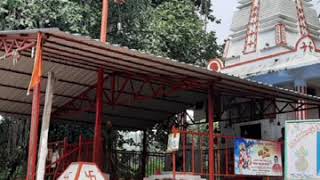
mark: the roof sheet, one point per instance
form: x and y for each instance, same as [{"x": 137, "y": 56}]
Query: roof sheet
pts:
[{"x": 75, "y": 60}]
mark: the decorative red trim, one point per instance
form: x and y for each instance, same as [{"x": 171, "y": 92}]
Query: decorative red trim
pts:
[
  {"x": 252, "y": 31},
  {"x": 281, "y": 38},
  {"x": 303, "y": 37},
  {"x": 218, "y": 62},
  {"x": 79, "y": 170},
  {"x": 259, "y": 59},
  {"x": 275, "y": 55},
  {"x": 301, "y": 18}
]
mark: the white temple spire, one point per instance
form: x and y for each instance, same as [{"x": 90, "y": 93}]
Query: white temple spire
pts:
[{"x": 263, "y": 28}]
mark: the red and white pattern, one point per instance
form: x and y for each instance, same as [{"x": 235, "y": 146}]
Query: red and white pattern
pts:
[
  {"x": 215, "y": 65},
  {"x": 306, "y": 45},
  {"x": 301, "y": 88},
  {"x": 302, "y": 18},
  {"x": 252, "y": 31},
  {"x": 83, "y": 171},
  {"x": 281, "y": 38}
]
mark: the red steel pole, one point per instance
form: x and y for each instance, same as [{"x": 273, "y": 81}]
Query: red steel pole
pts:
[
  {"x": 80, "y": 148},
  {"x": 211, "y": 132},
  {"x": 34, "y": 131},
  {"x": 104, "y": 21},
  {"x": 34, "y": 127},
  {"x": 97, "y": 142}
]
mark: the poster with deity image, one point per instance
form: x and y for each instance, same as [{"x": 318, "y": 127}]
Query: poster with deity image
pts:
[
  {"x": 257, "y": 157},
  {"x": 302, "y": 150}
]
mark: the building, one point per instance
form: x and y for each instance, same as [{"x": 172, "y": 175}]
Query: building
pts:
[{"x": 275, "y": 42}]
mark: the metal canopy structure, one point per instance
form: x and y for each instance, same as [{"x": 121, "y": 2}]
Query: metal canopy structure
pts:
[
  {"x": 139, "y": 90},
  {"x": 99, "y": 82}
]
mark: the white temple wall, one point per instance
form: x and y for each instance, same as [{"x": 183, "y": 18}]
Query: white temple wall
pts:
[
  {"x": 269, "y": 129},
  {"x": 312, "y": 17},
  {"x": 292, "y": 38},
  {"x": 236, "y": 48},
  {"x": 266, "y": 39},
  {"x": 267, "y": 52},
  {"x": 317, "y": 42}
]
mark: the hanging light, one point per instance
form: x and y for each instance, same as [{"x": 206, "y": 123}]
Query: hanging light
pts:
[
  {"x": 15, "y": 56},
  {"x": 32, "y": 52},
  {"x": 119, "y": 26}
]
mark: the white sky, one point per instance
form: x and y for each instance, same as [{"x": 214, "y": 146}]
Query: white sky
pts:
[{"x": 223, "y": 9}]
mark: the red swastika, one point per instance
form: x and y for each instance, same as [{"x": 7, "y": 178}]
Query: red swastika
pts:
[
  {"x": 90, "y": 175},
  {"x": 66, "y": 177}
]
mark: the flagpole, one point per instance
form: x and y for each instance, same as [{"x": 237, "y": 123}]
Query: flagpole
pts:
[{"x": 104, "y": 21}]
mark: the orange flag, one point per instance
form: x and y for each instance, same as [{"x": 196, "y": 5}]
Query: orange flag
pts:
[{"x": 37, "y": 67}]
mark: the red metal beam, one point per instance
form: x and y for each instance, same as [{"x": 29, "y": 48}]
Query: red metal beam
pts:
[
  {"x": 34, "y": 129},
  {"x": 98, "y": 144},
  {"x": 11, "y": 45},
  {"x": 35, "y": 119},
  {"x": 211, "y": 131}
]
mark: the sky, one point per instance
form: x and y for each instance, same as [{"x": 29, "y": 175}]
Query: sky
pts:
[{"x": 223, "y": 9}]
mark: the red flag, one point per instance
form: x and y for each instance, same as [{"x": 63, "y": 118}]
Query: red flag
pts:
[{"x": 37, "y": 67}]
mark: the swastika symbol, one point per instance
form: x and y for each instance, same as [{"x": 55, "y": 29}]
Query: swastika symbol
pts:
[
  {"x": 90, "y": 175},
  {"x": 66, "y": 177}
]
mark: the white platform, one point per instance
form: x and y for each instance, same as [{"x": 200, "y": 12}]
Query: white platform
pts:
[{"x": 169, "y": 175}]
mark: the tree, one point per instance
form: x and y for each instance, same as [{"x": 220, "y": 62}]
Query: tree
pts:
[
  {"x": 175, "y": 30},
  {"x": 68, "y": 15},
  {"x": 170, "y": 28},
  {"x": 13, "y": 146}
]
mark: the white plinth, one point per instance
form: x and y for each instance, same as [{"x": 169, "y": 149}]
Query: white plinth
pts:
[
  {"x": 83, "y": 171},
  {"x": 169, "y": 175}
]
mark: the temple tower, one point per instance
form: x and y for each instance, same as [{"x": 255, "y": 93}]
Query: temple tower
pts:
[
  {"x": 263, "y": 28},
  {"x": 275, "y": 42}
]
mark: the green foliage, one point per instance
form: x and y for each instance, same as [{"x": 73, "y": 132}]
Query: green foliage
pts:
[
  {"x": 65, "y": 14},
  {"x": 70, "y": 130},
  {"x": 170, "y": 28},
  {"x": 13, "y": 147},
  {"x": 175, "y": 30}
]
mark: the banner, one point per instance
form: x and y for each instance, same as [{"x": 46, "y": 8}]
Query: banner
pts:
[
  {"x": 257, "y": 157},
  {"x": 302, "y": 149}
]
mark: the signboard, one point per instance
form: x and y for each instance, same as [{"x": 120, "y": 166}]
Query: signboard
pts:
[
  {"x": 257, "y": 157},
  {"x": 83, "y": 171},
  {"x": 173, "y": 142},
  {"x": 302, "y": 150}
]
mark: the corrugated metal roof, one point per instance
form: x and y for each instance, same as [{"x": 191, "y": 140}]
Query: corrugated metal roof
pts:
[{"x": 75, "y": 60}]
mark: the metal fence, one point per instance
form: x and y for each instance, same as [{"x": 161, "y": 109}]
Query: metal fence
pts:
[{"x": 128, "y": 163}]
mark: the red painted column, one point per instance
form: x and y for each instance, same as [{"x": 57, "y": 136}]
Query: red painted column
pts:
[
  {"x": 34, "y": 131},
  {"x": 211, "y": 132},
  {"x": 97, "y": 142}
]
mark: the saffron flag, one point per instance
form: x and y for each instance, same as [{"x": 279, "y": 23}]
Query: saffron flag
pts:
[{"x": 37, "y": 67}]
